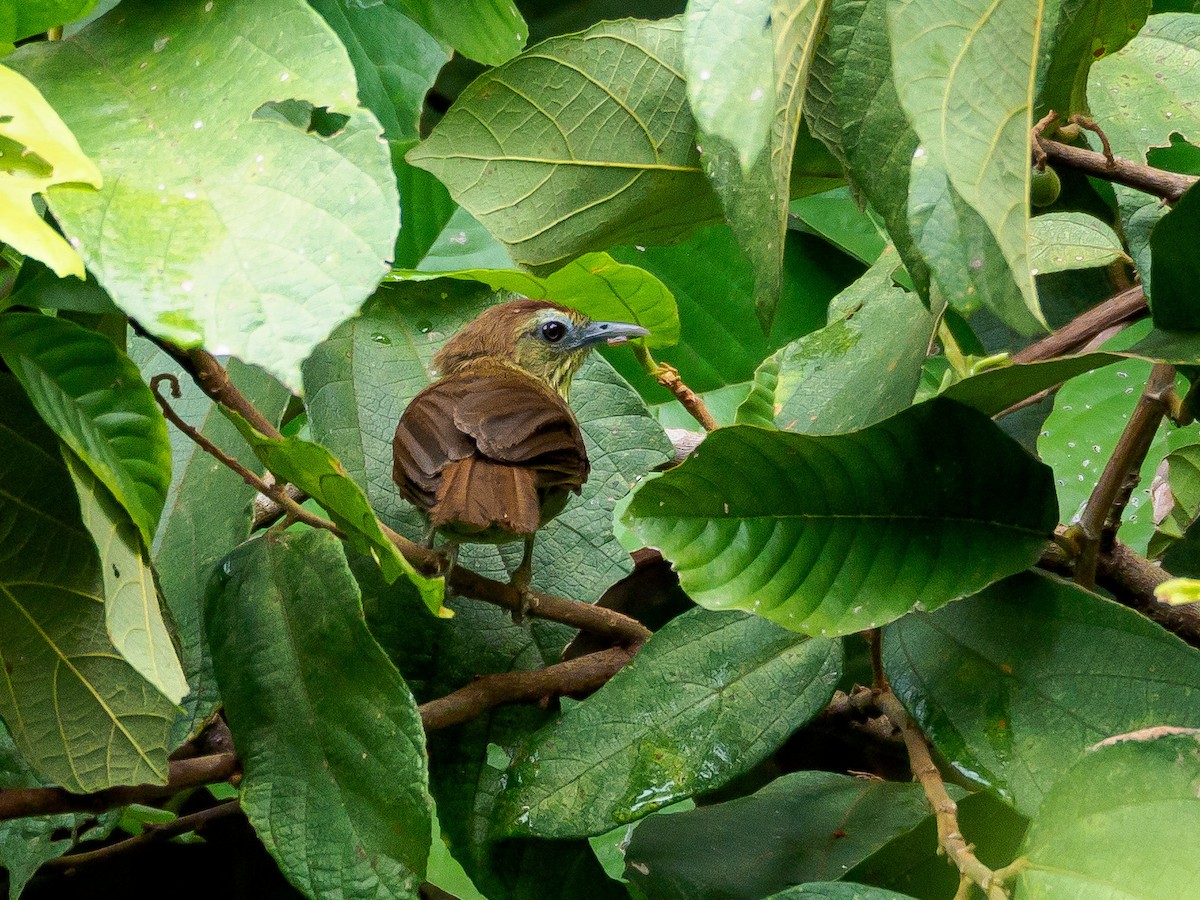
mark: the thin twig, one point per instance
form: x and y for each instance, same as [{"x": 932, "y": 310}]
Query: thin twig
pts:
[
  {"x": 1158, "y": 182},
  {"x": 152, "y": 831},
  {"x": 1126, "y": 460},
  {"x": 272, "y": 490},
  {"x": 183, "y": 773},
  {"x": 668, "y": 376},
  {"x": 945, "y": 810}
]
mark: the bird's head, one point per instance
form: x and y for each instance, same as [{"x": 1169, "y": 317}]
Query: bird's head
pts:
[{"x": 548, "y": 341}]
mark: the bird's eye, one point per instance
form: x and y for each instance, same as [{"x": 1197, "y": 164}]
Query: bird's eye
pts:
[{"x": 554, "y": 331}]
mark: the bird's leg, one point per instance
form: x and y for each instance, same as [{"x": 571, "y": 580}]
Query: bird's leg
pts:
[{"x": 520, "y": 580}]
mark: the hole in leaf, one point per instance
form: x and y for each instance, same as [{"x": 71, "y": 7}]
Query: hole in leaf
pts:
[
  {"x": 302, "y": 115},
  {"x": 17, "y": 159}
]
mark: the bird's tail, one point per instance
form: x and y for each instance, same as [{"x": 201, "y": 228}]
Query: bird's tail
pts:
[{"x": 483, "y": 494}]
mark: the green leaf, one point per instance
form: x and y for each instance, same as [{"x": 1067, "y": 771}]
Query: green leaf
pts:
[
  {"x": 837, "y": 217},
  {"x": 37, "y": 151},
  {"x": 720, "y": 340},
  {"x": 1178, "y": 591},
  {"x": 1110, "y": 826},
  {"x": 131, "y": 611},
  {"x": 318, "y": 473},
  {"x": 944, "y": 55},
  {"x": 1183, "y": 482},
  {"x": 862, "y": 367},
  {"x": 78, "y": 712},
  {"x": 755, "y": 196},
  {"x": 994, "y": 390},
  {"x": 22, "y": 18},
  {"x": 914, "y": 862},
  {"x": 94, "y": 398},
  {"x": 707, "y": 699},
  {"x": 1143, "y": 93},
  {"x": 1082, "y": 431},
  {"x": 1014, "y": 685},
  {"x": 595, "y": 284},
  {"x": 1176, "y": 268},
  {"x": 818, "y": 825},
  {"x": 488, "y": 31},
  {"x": 333, "y": 753},
  {"x": 361, "y": 379},
  {"x": 392, "y": 85},
  {"x": 207, "y": 514},
  {"x": 834, "y": 534},
  {"x": 1087, "y": 30},
  {"x": 463, "y": 243},
  {"x": 578, "y": 144},
  {"x": 729, "y": 61},
  {"x": 853, "y": 108},
  {"x": 221, "y": 225},
  {"x": 1061, "y": 241}
]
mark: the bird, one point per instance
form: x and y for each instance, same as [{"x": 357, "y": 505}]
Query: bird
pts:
[{"x": 490, "y": 451}]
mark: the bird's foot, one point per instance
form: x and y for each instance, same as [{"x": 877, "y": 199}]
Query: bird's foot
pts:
[{"x": 527, "y": 598}]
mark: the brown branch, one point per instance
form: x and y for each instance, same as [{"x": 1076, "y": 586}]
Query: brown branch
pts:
[
  {"x": 151, "y": 832},
  {"x": 945, "y": 810},
  {"x": 575, "y": 676},
  {"x": 1131, "y": 579},
  {"x": 1123, "y": 465},
  {"x": 1158, "y": 182},
  {"x": 183, "y": 773},
  {"x": 1121, "y": 309},
  {"x": 272, "y": 490}
]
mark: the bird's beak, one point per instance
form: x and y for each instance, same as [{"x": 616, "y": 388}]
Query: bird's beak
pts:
[{"x": 609, "y": 332}]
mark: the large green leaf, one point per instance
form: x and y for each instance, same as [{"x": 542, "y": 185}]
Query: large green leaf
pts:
[
  {"x": 1143, "y": 93},
  {"x": 1086, "y": 30},
  {"x": 807, "y": 826},
  {"x": 131, "y": 611},
  {"x": 208, "y": 513},
  {"x": 945, "y": 59},
  {"x": 1111, "y": 826},
  {"x": 94, "y": 398},
  {"x": 391, "y": 84},
  {"x": 361, "y": 379},
  {"x": 834, "y": 534},
  {"x": 490, "y": 31},
  {"x": 1175, "y": 265},
  {"x": 329, "y": 736},
  {"x": 729, "y": 61},
  {"x": 594, "y": 283},
  {"x": 862, "y": 367},
  {"x": 706, "y": 700},
  {"x": 80, "y": 715},
  {"x": 318, "y": 473},
  {"x": 755, "y": 194},
  {"x": 1015, "y": 684},
  {"x": 836, "y": 890},
  {"x": 217, "y": 225},
  {"x": 853, "y": 108},
  {"x": 38, "y": 151},
  {"x": 580, "y": 143}
]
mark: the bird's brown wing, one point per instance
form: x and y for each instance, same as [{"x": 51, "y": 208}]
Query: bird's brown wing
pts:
[{"x": 479, "y": 446}]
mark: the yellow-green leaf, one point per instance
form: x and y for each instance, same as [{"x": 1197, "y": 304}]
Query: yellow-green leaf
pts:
[{"x": 36, "y": 151}]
